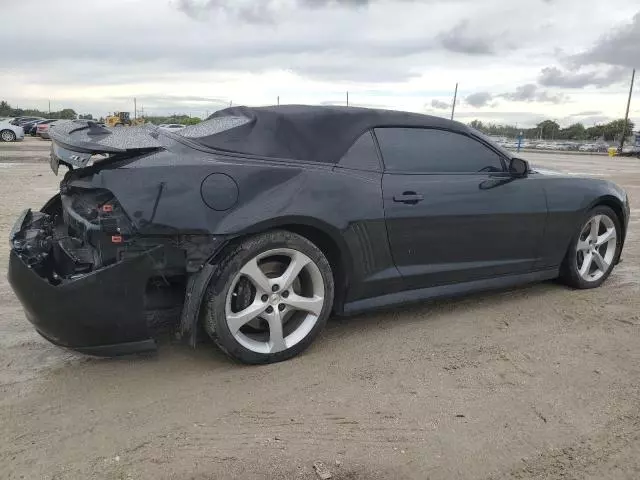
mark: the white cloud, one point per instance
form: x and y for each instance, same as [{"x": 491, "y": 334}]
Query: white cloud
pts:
[{"x": 196, "y": 55}]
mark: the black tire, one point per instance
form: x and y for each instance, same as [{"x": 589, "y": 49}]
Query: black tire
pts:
[
  {"x": 569, "y": 273},
  {"x": 7, "y": 136},
  {"x": 231, "y": 261}
]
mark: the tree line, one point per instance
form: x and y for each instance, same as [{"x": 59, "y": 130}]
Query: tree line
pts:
[
  {"x": 7, "y": 110},
  {"x": 550, "y": 130}
]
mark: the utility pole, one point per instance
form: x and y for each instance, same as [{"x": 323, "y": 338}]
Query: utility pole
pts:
[
  {"x": 347, "y": 98},
  {"x": 455, "y": 99},
  {"x": 626, "y": 115},
  {"x": 278, "y": 100},
  {"x": 49, "y": 107},
  {"x": 231, "y": 103},
  {"x": 135, "y": 108}
]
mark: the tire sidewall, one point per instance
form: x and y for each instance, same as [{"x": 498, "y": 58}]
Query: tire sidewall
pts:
[
  {"x": 231, "y": 261},
  {"x": 572, "y": 261}
]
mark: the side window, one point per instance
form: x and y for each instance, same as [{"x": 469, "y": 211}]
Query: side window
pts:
[
  {"x": 420, "y": 150},
  {"x": 363, "y": 155}
]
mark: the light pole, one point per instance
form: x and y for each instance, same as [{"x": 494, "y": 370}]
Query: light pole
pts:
[
  {"x": 626, "y": 115},
  {"x": 455, "y": 98}
]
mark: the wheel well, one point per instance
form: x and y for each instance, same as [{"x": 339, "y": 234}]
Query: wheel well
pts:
[
  {"x": 616, "y": 206},
  {"x": 330, "y": 250}
]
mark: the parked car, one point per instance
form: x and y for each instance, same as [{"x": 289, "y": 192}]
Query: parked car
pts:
[
  {"x": 30, "y": 126},
  {"x": 10, "y": 133},
  {"x": 33, "y": 131},
  {"x": 42, "y": 130},
  {"x": 258, "y": 223},
  {"x": 20, "y": 121}
]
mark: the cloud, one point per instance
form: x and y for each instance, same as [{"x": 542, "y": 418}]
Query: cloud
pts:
[
  {"x": 531, "y": 93},
  {"x": 555, "y": 77},
  {"x": 524, "y": 93},
  {"x": 586, "y": 113},
  {"x": 440, "y": 105},
  {"x": 261, "y": 11},
  {"x": 479, "y": 99},
  {"x": 462, "y": 39},
  {"x": 622, "y": 47}
]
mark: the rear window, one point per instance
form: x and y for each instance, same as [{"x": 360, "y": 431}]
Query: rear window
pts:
[{"x": 213, "y": 126}]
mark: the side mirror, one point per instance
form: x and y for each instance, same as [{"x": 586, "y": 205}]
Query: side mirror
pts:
[{"x": 518, "y": 167}]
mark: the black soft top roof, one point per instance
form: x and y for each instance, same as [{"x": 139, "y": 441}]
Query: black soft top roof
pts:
[{"x": 302, "y": 132}]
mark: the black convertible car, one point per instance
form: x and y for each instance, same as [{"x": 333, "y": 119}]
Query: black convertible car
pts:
[{"x": 258, "y": 223}]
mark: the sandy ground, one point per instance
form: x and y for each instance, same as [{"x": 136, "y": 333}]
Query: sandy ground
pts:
[{"x": 538, "y": 382}]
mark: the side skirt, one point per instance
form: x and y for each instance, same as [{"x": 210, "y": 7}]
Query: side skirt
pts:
[{"x": 444, "y": 291}]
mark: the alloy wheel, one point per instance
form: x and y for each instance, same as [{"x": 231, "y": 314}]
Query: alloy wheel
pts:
[
  {"x": 7, "y": 136},
  {"x": 596, "y": 247},
  {"x": 275, "y": 300}
]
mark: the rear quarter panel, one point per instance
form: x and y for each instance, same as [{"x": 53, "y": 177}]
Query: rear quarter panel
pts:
[{"x": 161, "y": 193}]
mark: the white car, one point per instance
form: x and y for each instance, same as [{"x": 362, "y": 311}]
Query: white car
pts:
[{"x": 10, "y": 133}]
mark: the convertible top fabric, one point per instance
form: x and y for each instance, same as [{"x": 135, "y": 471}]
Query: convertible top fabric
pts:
[{"x": 309, "y": 133}]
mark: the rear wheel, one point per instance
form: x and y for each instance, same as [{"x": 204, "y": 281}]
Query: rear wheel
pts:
[
  {"x": 7, "y": 136},
  {"x": 594, "y": 250},
  {"x": 271, "y": 298}
]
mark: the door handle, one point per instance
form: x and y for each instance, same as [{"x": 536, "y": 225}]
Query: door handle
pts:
[{"x": 410, "y": 198}]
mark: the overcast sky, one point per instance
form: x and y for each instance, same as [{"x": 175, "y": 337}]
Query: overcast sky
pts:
[{"x": 516, "y": 60}]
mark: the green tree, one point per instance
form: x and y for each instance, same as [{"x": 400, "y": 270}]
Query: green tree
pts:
[
  {"x": 5, "y": 109},
  {"x": 192, "y": 121},
  {"x": 477, "y": 124},
  {"x": 548, "y": 129},
  {"x": 573, "y": 132},
  {"x": 87, "y": 116},
  {"x": 595, "y": 133},
  {"x": 614, "y": 130},
  {"x": 68, "y": 114}
]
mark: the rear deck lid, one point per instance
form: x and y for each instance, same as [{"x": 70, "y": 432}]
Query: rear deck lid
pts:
[{"x": 76, "y": 142}]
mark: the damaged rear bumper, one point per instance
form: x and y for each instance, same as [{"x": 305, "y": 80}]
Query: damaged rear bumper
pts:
[{"x": 100, "y": 313}]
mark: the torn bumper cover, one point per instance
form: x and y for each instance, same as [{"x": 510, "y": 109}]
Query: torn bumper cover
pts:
[{"x": 98, "y": 313}]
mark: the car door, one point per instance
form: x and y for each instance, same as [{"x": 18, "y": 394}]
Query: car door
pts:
[{"x": 453, "y": 212}]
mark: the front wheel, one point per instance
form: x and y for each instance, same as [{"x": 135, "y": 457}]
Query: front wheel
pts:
[
  {"x": 7, "y": 136},
  {"x": 594, "y": 251},
  {"x": 271, "y": 297}
]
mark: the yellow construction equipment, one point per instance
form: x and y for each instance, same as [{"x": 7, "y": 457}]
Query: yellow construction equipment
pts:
[{"x": 122, "y": 119}]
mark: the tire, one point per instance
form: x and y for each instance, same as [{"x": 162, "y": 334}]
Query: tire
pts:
[
  {"x": 270, "y": 297},
  {"x": 7, "y": 136},
  {"x": 583, "y": 248}
]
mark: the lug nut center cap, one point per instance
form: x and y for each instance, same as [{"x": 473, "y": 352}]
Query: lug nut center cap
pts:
[{"x": 275, "y": 298}]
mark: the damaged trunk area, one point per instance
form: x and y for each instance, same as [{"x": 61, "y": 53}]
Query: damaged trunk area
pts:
[{"x": 82, "y": 232}]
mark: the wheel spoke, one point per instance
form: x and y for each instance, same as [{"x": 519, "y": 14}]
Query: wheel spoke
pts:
[
  {"x": 298, "y": 262},
  {"x": 606, "y": 237},
  {"x": 583, "y": 246},
  {"x": 600, "y": 262},
  {"x": 307, "y": 304},
  {"x": 237, "y": 320},
  {"x": 595, "y": 228},
  {"x": 253, "y": 272},
  {"x": 276, "y": 335},
  {"x": 586, "y": 264}
]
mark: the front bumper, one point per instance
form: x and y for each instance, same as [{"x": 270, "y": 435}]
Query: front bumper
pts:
[{"x": 101, "y": 313}]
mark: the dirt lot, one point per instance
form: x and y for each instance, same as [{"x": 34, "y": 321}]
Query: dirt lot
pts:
[{"x": 537, "y": 382}]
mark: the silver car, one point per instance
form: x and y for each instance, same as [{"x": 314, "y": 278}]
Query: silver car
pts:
[{"x": 10, "y": 133}]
